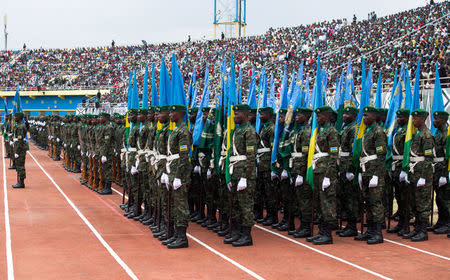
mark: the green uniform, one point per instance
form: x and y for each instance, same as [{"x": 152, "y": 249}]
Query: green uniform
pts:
[
  {"x": 20, "y": 147},
  {"x": 442, "y": 189},
  {"x": 265, "y": 188}
]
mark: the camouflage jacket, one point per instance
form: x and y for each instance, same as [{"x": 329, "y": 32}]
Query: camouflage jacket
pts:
[
  {"x": 346, "y": 158},
  {"x": 300, "y": 148},
  {"x": 244, "y": 143},
  {"x": 266, "y": 136},
  {"x": 178, "y": 147},
  {"x": 373, "y": 152},
  {"x": 327, "y": 142}
]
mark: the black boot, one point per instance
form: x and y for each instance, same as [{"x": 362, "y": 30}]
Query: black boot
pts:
[
  {"x": 376, "y": 236},
  {"x": 397, "y": 228},
  {"x": 245, "y": 239},
  {"x": 12, "y": 167},
  {"x": 304, "y": 230},
  {"x": 326, "y": 237},
  {"x": 173, "y": 237},
  {"x": 443, "y": 229},
  {"x": 20, "y": 184},
  {"x": 213, "y": 224},
  {"x": 270, "y": 220},
  {"x": 137, "y": 218},
  {"x": 224, "y": 226},
  {"x": 409, "y": 235},
  {"x": 181, "y": 241},
  {"x": 106, "y": 189},
  {"x": 318, "y": 235},
  {"x": 366, "y": 235},
  {"x": 349, "y": 230},
  {"x": 422, "y": 234},
  {"x": 235, "y": 233},
  {"x": 129, "y": 210},
  {"x": 162, "y": 230}
]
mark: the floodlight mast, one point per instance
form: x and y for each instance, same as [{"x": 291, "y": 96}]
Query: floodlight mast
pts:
[{"x": 230, "y": 16}]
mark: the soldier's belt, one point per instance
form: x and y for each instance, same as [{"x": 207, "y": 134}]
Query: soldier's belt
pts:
[
  {"x": 132, "y": 149},
  {"x": 397, "y": 157},
  {"x": 141, "y": 152},
  {"x": 293, "y": 156},
  {"x": 263, "y": 150},
  {"x": 169, "y": 161},
  {"x": 316, "y": 157},
  {"x": 439, "y": 159},
  {"x": 15, "y": 139},
  {"x": 413, "y": 162},
  {"x": 344, "y": 154},
  {"x": 234, "y": 160},
  {"x": 124, "y": 150},
  {"x": 364, "y": 160}
]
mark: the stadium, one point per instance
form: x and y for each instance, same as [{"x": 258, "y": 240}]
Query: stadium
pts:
[{"x": 316, "y": 150}]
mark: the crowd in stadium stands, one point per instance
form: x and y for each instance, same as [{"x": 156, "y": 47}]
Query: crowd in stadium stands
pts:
[{"x": 386, "y": 42}]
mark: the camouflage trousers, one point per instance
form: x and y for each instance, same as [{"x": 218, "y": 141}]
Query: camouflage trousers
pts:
[
  {"x": 303, "y": 195},
  {"x": 326, "y": 199},
  {"x": 107, "y": 170},
  {"x": 180, "y": 206},
  {"x": 421, "y": 196},
  {"x": 211, "y": 193},
  {"x": 242, "y": 212},
  {"x": 20, "y": 165},
  {"x": 349, "y": 198},
  {"x": 443, "y": 201},
  {"x": 373, "y": 198},
  {"x": 271, "y": 193}
]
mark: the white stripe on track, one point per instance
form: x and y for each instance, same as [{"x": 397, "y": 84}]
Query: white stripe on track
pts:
[
  {"x": 91, "y": 227},
  {"x": 9, "y": 257},
  {"x": 417, "y": 249},
  {"x": 324, "y": 253},
  {"x": 233, "y": 262}
]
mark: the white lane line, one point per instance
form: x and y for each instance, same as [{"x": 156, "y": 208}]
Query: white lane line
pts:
[
  {"x": 233, "y": 262},
  {"x": 9, "y": 257},
  {"x": 91, "y": 227},
  {"x": 417, "y": 249},
  {"x": 324, "y": 253}
]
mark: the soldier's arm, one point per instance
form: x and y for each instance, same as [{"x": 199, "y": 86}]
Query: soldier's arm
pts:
[
  {"x": 333, "y": 144},
  {"x": 428, "y": 145},
  {"x": 184, "y": 145},
  {"x": 250, "y": 152},
  {"x": 381, "y": 146}
]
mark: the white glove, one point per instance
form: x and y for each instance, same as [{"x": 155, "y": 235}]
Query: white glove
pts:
[
  {"x": 208, "y": 174},
  {"x": 49, "y": 137},
  {"x": 229, "y": 185},
  {"x": 197, "y": 169},
  {"x": 349, "y": 176},
  {"x": 176, "y": 184},
  {"x": 71, "y": 146},
  {"x": 164, "y": 179},
  {"x": 449, "y": 175},
  {"x": 11, "y": 143},
  {"x": 78, "y": 147},
  {"x": 57, "y": 140},
  {"x": 299, "y": 181},
  {"x": 242, "y": 185},
  {"x": 402, "y": 177},
  {"x": 16, "y": 155},
  {"x": 360, "y": 181},
  {"x": 373, "y": 182},
  {"x": 326, "y": 183},
  {"x": 137, "y": 163},
  {"x": 103, "y": 159},
  {"x": 134, "y": 170},
  {"x": 65, "y": 145},
  {"x": 273, "y": 175},
  {"x": 421, "y": 182},
  {"x": 284, "y": 174},
  {"x": 442, "y": 181}
]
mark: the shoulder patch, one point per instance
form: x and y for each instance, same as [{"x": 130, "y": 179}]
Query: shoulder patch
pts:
[
  {"x": 333, "y": 149},
  {"x": 428, "y": 152},
  {"x": 379, "y": 149},
  {"x": 250, "y": 148},
  {"x": 305, "y": 148},
  {"x": 183, "y": 148},
  {"x": 106, "y": 137},
  {"x": 19, "y": 137}
]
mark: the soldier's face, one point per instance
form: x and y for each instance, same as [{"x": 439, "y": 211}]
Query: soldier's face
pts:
[
  {"x": 141, "y": 118},
  {"x": 192, "y": 117},
  {"x": 18, "y": 119},
  {"x": 439, "y": 122},
  {"x": 402, "y": 120},
  {"x": 151, "y": 117},
  {"x": 301, "y": 118},
  {"x": 323, "y": 119},
  {"x": 265, "y": 116},
  {"x": 205, "y": 116},
  {"x": 163, "y": 117},
  {"x": 348, "y": 118},
  {"x": 369, "y": 118},
  {"x": 419, "y": 121},
  {"x": 252, "y": 117},
  {"x": 240, "y": 117},
  {"x": 281, "y": 119}
]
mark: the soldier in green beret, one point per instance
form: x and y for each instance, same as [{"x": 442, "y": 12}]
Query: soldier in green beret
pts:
[
  {"x": 325, "y": 175},
  {"x": 440, "y": 178},
  {"x": 348, "y": 192},
  {"x": 20, "y": 147},
  {"x": 106, "y": 139},
  {"x": 421, "y": 162}
]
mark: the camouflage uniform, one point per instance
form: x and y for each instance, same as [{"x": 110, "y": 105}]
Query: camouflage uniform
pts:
[
  {"x": 442, "y": 190},
  {"x": 20, "y": 148},
  {"x": 107, "y": 140}
]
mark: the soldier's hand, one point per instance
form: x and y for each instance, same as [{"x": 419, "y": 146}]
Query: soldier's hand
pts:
[
  {"x": 16, "y": 155},
  {"x": 349, "y": 176},
  {"x": 104, "y": 159},
  {"x": 197, "y": 169},
  {"x": 373, "y": 182},
  {"x": 442, "y": 181},
  {"x": 402, "y": 177},
  {"x": 78, "y": 147},
  {"x": 208, "y": 174},
  {"x": 284, "y": 175},
  {"x": 421, "y": 182},
  {"x": 176, "y": 184},
  {"x": 229, "y": 185},
  {"x": 134, "y": 170},
  {"x": 164, "y": 179},
  {"x": 299, "y": 181},
  {"x": 242, "y": 185},
  {"x": 57, "y": 140},
  {"x": 273, "y": 175}
]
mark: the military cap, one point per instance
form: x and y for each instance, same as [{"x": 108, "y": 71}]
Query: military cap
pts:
[
  {"x": 303, "y": 110},
  {"x": 178, "y": 108},
  {"x": 143, "y": 111},
  {"x": 104, "y": 114},
  {"x": 351, "y": 110},
  {"x": 133, "y": 112},
  {"x": 116, "y": 115},
  {"x": 420, "y": 113},
  {"x": 193, "y": 110},
  {"x": 206, "y": 109},
  {"x": 165, "y": 108},
  {"x": 151, "y": 109},
  {"x": 242, "y": 108},
  {"x": 9, "y": 114},
  {"x": 253, "y": 110},
  {"x": 324, "y": 109},
  {"x": 18, "y": 114},
  {"x": 370, "y": 109},
  {"x": 266, "y": 109},
  {"x": 402, "y": 112},
  {"x": 282, "y": 111},
  {"x": 441, "y": 114},
  {"x": 383, "y": 111}
]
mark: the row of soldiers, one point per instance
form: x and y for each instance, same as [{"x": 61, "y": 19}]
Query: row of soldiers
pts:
[{"x": 176, "y": 181}]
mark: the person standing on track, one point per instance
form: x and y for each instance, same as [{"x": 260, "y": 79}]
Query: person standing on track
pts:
[
  {"x": 20, "y": 147},
  {"x": 106, "y": 152}
]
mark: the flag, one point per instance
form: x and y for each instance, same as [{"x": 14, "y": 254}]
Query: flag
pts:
[
  {"x": 278, "y": 128},
  {"x": 164, "y": 84},
  {"x": 6, "y": 108},
  {"x": 378, "y": 101},
  {"x": 349, "y": 88},
  {"x": 178, "y": 96},
  {"x": 361, "y": 127},
  {"x": 230, "y": 117},
  {"x": 291, "y": 85},
  {"x": 251, "y": 97},
  {"x": 133, "y": 103},
  {"x": 438, "y": 100},
  {"x": 154, "y": 101},
  {"x": 145, "y": 90},
  {"x": 363, "y": 73},
  {"x": 314, "y": 128},
  {"x": 192, "y": 90},
  {"x": 271, "y": 99},
  {"x": 130, "y": 88},
  {"x": 198, "y": 128},
  {"x": 262, "y": 97},
  {"x": 410, "y": 130},
  {"x": 339, "y": 101},
  {"x": 408, "y": 94},
  {"x": 218, "y": 120}
]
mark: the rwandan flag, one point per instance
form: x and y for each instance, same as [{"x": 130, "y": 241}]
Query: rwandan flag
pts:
[
  {"x": 198, "y": 128},
  {"x": 378, "y": 103},
  {"x": 411, "y": 130},
  {"x": 438, "y": 100},
  {"x": 314, "y": 129},
  {"x": 154, "y": 100},
  {"x": 145, "y": 90},
  {"x": 230, "y": 118},
  {"x": 339, "y": 101}
]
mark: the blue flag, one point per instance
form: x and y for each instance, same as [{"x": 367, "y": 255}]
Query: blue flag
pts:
[
  {"x": 198, "y": 128},
  {"x": 279, "y": 128},
  {"x": 145, "y": 90},
  {"x": 378, "y": 103},
  {"x": 154, "y": 101},
  {"x": 438, "y": 100},
  {"x": 164, "y": 85}
]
